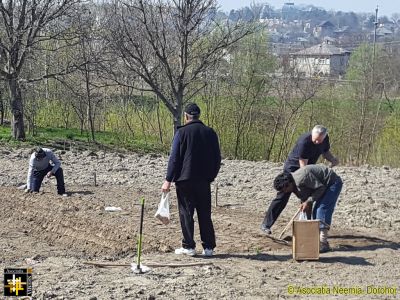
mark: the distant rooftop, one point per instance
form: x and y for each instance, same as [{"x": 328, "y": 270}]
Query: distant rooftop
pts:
[
  {"x": 342, "y": 29},
  {"x": 326, "y": 24},
  {"x": 383, "y": 31},
  {"x": 322, "y": 49}
]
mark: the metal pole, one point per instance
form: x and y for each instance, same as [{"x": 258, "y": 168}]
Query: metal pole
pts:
[
  {"x": 375, "y": 27},
  {"x": 140, "y": 239}
]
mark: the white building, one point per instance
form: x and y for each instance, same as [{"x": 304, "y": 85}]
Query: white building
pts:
[{"x": 321, "y": 60}]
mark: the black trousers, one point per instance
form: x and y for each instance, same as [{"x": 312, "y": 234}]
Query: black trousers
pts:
[
  {"x": 195, "y": 195},
  {"x": 38, "y": 177},
  {"x": 275, "y": 208},
  {"x": 279, "y": 203}
]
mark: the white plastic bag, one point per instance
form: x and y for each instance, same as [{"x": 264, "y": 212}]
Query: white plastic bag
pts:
[
  {"x": 163, "y": 209},
  {"x": 303, "y": 216},
  {"x": 112, "y": 208}
]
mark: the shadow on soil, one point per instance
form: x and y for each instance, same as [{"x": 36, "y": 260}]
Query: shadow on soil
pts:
[
  {"x": 348, "y": 260},
  {"x": 363, "y": 243},
  {"x": 259, "y": 257}
]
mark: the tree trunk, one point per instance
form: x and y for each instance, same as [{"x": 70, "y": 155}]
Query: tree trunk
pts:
[
  {"x": 361, "y": 127},
  {"x": 2, "y": 114},
  {"x": 18, "y": 130},
  {"x": 90, "y": 120},
  {"x": 373, "y": 134},
  {"x": 177, "y": 119},
  {"x": 90, "y": 116},
  {"x": 159, "y": 122},
  {"x": 82, "y": 124},
  {"x": 274, "y": 132},
  {"x": 177, "y": 112},
  {"x": 1, "y": 109},
  {"x": 238, "y": 134}
]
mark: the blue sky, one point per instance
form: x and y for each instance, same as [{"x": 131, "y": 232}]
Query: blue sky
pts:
[{"x": 386, "y": 7}]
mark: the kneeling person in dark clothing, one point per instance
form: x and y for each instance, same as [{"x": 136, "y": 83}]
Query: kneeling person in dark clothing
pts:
[
  {"x": 193, "y": 164},
  {"x": 314, "y": 184},
  {"x": 43, "y": 163}
]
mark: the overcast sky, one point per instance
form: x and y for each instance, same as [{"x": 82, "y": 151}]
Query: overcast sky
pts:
[{"x": 386, "y": 7}]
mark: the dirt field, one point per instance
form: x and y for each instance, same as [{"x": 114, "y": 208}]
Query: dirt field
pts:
[{"x": 56, "y": 236}]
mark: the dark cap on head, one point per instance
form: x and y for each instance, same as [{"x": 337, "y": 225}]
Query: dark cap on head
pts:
[
  {"x": 39, "y": 153},
  {"x": 192, "y": 109}
]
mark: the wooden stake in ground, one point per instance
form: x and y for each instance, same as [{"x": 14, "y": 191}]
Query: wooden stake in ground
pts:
[
  {"x": 290, "y": 223},
  {"x": 216, "y": 194}
]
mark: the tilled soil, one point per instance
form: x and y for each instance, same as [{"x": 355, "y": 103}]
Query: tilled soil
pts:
[{"x": 56, "y": 235}]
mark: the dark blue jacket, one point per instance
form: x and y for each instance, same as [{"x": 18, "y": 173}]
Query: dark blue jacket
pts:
[
  {"x": 195, "y": 153},
  {"x": 305, "y": 149}
]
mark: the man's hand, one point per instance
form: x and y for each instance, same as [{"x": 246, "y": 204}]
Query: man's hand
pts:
[
  {"x": 306, "y": 207},
  {"x": 166, "y": 186},
  {"x": 49, "y": 174},
  {"x": 303, "y": 162},
  {"x": 332, "y": 159},
  {"x": 334, "y": 162}
]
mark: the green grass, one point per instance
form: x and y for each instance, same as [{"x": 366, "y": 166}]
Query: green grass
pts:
[{"x": 64, "y": 138}]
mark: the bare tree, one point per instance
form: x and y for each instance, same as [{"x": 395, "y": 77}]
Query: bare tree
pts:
[
  {"x": 247, "y": 85},
  {"x": 170, "y": 44},
  {"x": 291, "y": 91},
  {"x": 361, "y": 72},
  {"x": 25, "y": 23},
  {"x": 90, "y": 48}
]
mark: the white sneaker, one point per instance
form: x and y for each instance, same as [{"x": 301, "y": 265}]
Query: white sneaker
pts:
[
  {"x": 63, "y": 195},
  {"x": 190, "y": 252},
  {"x": 208, "y": 252}
]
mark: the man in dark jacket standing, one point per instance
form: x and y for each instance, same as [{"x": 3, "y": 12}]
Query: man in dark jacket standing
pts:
[
  {"x": 193, "y": 164},
  {"x": 309, "y": 147}
]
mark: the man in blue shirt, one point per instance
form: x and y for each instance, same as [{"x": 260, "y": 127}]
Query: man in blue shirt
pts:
[
  {"x": 307, "y": 150},
  {"x": 193, "y": 164}
]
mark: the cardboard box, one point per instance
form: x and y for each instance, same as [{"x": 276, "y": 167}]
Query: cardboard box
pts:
[{"x": 306, "y": 240}]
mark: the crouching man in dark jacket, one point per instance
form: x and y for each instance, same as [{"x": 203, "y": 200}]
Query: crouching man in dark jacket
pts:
[
  {"x": 193, "y": 164},
  {"x": 314, "y": 184}
]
